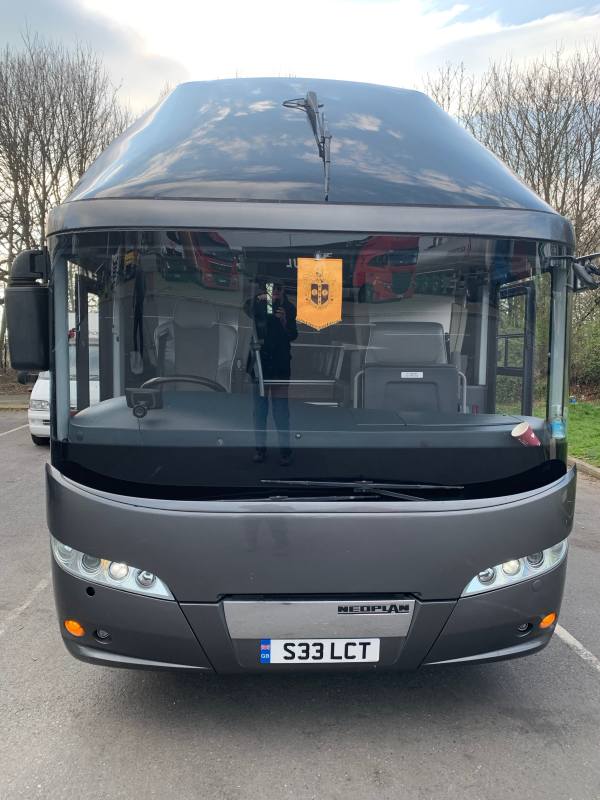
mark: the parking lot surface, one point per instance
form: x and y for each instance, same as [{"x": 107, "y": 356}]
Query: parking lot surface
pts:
[{"x": 521, "y": 729}]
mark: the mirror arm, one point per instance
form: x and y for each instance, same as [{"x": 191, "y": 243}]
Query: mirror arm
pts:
[
  {"x": 583, "y": 274},
  {"x": 587, "y": 262},
  {"x": 583, "y": 268}
]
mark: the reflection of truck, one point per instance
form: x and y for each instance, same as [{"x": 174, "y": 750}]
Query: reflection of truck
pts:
[
  {"x": 385, "y": 268},
  {"x": 201, "y": 257},
  {"x": 216, "y": 264},
  {"x": 176, "y": 264}
]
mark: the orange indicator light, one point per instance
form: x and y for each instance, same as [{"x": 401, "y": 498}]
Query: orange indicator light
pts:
[
  {"x": 75, "y": 628},
  {"x": 548, "y": 620}
]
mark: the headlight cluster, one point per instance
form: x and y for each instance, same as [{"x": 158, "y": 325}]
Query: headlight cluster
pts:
[
  {"x": 39, "y": 405},
  {"x": 517, "y": 570},
  {"x": 108, "y": 573}
]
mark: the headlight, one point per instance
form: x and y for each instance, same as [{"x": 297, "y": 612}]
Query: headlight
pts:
[
  {"x": 115, "y": 574},
  {"x": 39, "y": 405},
  {"x": 517, "y": 569}
]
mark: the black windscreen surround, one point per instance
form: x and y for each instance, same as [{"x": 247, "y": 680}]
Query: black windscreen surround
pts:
[
  {"x": 234, "y": 139},
  {"x": 211, "y": 363}
]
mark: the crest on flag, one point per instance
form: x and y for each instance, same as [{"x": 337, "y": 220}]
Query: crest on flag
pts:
[{"x": 319, "y": 292}]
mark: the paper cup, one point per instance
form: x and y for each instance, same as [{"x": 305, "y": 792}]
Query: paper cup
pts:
[{"x": 524, "y": 434}]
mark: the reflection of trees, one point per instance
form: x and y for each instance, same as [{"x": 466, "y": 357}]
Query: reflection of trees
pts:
[{"x": 511, "y": 320}]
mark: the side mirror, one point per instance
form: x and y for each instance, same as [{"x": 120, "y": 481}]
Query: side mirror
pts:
[
  {"x": 26, "y": 304},
  {"x": 586, "y": 273}
]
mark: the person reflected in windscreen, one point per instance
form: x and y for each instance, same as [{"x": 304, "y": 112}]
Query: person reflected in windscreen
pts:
[
  {"x": 136, "y": 357},
  {"x": 274, "y": 317}
]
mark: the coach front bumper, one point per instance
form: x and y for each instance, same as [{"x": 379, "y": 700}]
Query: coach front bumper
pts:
[
  {"x": 164, "y": 634},
  {"x": 213, "y": 553}
]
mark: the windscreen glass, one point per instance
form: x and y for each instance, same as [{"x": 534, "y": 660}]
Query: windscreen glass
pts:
[
  {"x": 215, "y": 363},
  {"x": 94, "y": 357}
]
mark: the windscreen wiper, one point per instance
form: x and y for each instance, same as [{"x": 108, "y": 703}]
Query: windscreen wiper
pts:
[
  {"x": 310, "y": 105},
  {"x": 368, "y": 487},
  {"x": 326, "y": 498}
]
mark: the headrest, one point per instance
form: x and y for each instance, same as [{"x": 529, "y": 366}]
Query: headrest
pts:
[
  {"x": 401, "y": 343},
  {"x": 194, "y": 314}
]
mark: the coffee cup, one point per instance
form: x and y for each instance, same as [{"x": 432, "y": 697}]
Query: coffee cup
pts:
[{"x": 523, "y": 432}]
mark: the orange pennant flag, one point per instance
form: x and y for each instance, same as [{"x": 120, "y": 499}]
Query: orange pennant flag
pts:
[{"x": 319, "y": 292}]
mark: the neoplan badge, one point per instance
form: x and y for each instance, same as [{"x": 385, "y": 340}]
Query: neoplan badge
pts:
[{"x": 319, "y": 292}]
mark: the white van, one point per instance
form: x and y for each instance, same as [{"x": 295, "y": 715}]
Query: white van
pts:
[{"x": 39, "y": 401}]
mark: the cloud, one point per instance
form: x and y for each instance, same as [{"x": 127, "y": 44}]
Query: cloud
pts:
[
  {"x": 140, "y": 74},
  {"x": 395, "y": 42},
  {"x": 364, "y": 122},
  {"x": 569, "y": 31},
  {"x": 376, "y": 41}
]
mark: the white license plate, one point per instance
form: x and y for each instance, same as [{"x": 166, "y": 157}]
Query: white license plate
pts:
[{"x": 318, "y": 651}]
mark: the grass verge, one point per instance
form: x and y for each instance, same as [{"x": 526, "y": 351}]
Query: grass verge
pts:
[{"x": 584, "y": 432}]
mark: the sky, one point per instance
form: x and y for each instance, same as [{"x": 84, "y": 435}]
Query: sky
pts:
[{"x": 147, "y": 44}]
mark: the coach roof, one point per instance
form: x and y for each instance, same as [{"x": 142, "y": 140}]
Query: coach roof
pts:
[{"x": 234, "y": 140}]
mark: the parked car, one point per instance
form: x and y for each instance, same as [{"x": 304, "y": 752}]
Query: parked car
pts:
[
  {"x": 39, "y": 410},
  {"x": 39, "y": 401}
]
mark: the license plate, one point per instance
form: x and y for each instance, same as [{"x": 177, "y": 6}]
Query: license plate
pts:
[{"x": 318, "y": 651}]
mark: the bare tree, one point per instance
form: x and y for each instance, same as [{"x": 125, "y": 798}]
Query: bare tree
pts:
[
  {"x": 543, "y": 120},
  {"x": 58, "y": 111},
  {"x": 166, "y": 89}
]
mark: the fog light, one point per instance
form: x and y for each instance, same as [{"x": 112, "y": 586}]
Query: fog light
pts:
[
  {"x": 487, "y": 575},
  {"x": 74, "y": 627},
  {"x": 118, "y": 571},
  {"x": 548, "y": 620},
  {"x": 535, "y": 559},
  {"x": 511, "y": 567},
  {"x": 103, "y": 635},
  {"x": 144, "y": 578},
  {"x": 524, "y": 627}
]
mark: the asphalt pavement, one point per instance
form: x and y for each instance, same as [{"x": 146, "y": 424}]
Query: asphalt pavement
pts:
[{"x": 528, "y": 728}]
